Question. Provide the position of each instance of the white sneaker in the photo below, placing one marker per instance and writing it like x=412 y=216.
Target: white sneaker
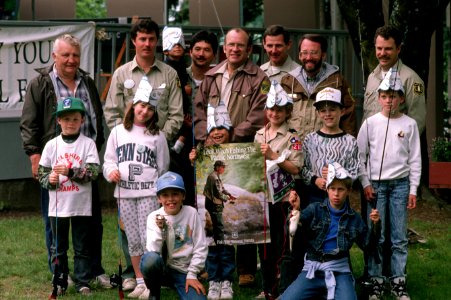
x=226 y=290
x=214 y=290
x=139 y=289
x=104 y=281
x=129 y=284
x=70 y=282
x=145 y=295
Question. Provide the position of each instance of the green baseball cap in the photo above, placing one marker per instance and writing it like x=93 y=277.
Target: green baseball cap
x=70 y=104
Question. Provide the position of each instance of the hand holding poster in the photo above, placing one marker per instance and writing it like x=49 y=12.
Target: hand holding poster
x=231 y=187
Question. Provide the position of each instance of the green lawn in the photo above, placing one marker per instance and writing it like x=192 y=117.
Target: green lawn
x=24 y=274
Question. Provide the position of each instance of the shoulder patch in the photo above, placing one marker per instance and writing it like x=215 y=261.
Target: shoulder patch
x=418 y=88
x=296 y=144
x=265 y=86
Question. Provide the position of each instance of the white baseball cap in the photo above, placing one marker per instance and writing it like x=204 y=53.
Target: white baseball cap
x=277 y=96
x=328 y=94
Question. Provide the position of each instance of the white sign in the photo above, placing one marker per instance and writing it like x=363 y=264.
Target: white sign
x=24 y=49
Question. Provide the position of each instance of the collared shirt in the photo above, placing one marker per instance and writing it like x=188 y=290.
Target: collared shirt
x=123 y=87
x=81 y=92
x=226 y=82
x=284 y=139
x=276 y=73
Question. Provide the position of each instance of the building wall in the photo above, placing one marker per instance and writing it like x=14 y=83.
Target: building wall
x=291 y=13
x=47 y=9
x=202 y=12
x=141 y=8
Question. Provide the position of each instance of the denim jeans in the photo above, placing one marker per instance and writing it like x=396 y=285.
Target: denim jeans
x=220 y=263
x=80 y=240
x=153 y=268
x=315 y=288
x=47 y=226
x=392 y=197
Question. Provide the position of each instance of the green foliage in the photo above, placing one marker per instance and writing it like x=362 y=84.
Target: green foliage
x=441 y=149
x=90 y=9
x=178 y=14
x=253 y=13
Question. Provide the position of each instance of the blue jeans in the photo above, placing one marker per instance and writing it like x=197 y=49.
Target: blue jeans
x=220 y=263
x=315 y=288
x=80 y=240
x=47 y=226
x=392 y=197
x=153 y=268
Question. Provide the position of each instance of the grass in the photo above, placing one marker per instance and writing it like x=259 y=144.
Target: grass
x=24 y=274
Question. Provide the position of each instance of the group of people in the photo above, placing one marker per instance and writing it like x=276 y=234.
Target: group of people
x=302 y=115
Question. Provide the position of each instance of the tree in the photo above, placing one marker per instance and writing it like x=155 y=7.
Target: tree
x=418 y=19
x=90 y=9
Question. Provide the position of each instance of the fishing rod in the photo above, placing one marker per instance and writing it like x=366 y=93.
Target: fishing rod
x=59 y=280
x=116 y=279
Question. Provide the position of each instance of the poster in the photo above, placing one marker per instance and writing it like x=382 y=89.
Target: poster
x=24 y=49
x=245 y=209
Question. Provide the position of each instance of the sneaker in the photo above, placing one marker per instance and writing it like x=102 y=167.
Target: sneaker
x=85 y=291
x=214 y=290
x=145 y=295
x=103 y=281
x=70 y=282
x=226 y=290
x=376 y=288
x=398 y=289
x=246 y=280
x=129 y=284
x=139 y=289
x=261 y=296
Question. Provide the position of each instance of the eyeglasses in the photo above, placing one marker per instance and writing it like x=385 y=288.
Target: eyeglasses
x=311 y=52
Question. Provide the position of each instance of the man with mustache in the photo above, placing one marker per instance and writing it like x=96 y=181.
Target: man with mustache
x=387 y=42
x=277 y=44
x=203 y=49
x=304 y=82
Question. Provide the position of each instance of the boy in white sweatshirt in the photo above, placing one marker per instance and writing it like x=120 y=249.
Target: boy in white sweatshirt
x=389 y=148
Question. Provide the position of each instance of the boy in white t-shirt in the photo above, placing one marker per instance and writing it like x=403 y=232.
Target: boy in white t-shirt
x=68 y=164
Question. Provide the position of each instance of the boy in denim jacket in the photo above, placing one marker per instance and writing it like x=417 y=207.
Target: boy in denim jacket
x=332 y=228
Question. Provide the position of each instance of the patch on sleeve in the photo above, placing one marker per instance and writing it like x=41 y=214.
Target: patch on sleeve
x=296 y=144
x=265 y=86
x=418 y=88
x=179 y=85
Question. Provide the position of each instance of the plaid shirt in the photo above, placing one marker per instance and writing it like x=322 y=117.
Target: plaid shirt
x=62 y=91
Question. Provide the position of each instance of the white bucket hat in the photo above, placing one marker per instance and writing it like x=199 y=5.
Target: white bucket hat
x=335 y=170
x=391 y=82
x=171 y=37
x=277 y=96
x=218 y=117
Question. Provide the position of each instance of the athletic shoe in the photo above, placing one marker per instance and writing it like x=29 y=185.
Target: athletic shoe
x=129 y=284
x=139 y=289
x=214 y=290
x=145 y=295
x=376 y=289
x=103 y=281
x=70 y=282
x=226 y=290
x=85 y=291
x=398 y=289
